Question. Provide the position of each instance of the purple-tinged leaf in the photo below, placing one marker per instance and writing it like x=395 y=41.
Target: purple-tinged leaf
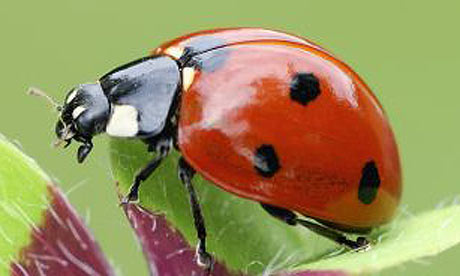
x=165 y=249
x=61 y=244
x=169 y=254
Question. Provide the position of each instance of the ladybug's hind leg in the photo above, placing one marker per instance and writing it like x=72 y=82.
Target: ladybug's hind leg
x=186 y=173
x=290 y=218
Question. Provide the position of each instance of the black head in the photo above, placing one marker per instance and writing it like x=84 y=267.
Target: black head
x=84 y=114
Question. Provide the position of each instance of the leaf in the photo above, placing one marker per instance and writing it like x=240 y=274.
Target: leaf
x=40 y=233
x=407 y=239
x=244 y=238
x=169 y=254
x=165 y=249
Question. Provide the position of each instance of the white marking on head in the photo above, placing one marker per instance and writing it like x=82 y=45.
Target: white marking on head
x=77 y=111
x=174 y=51
x=71 y=96
x=188 y=74
x=123 y=122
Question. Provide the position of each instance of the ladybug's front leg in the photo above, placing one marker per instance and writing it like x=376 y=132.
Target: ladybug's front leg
x=162 y=148
x=186 y=173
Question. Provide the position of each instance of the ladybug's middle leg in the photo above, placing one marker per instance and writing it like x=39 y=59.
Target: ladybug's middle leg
x=186 y=173
x=290 y=218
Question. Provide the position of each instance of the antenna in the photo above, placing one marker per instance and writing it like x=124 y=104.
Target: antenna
x=37 y=92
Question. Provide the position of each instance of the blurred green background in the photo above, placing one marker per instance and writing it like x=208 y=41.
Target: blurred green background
x=406 y=50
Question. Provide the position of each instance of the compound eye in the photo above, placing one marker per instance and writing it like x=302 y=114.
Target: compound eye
x=59 y=129
x=64 y=134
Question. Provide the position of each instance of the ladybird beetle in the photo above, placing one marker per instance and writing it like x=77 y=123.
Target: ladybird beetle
x=262 y=114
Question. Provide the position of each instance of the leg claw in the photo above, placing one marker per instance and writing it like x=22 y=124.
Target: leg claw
x=205 y=260
x=362 y=244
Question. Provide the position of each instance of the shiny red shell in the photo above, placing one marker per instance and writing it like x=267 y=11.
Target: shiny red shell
x=238 y=99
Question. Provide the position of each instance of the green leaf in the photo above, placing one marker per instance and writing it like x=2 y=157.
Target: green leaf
x=23 y=194
x=246 y=239
x=40 y=233
x=406 y=239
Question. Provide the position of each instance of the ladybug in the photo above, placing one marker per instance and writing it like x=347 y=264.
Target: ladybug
x=262 y=114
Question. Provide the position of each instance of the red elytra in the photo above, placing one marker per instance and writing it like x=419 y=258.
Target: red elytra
x=277 y=119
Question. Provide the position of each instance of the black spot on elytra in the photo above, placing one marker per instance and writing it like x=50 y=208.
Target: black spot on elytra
x=369 y=184
x=266 y=161
x=304 y=88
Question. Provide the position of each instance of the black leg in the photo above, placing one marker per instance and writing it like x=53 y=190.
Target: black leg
x=186 y=174
x=83 y=150
x=291 y=219
x=162 y=150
